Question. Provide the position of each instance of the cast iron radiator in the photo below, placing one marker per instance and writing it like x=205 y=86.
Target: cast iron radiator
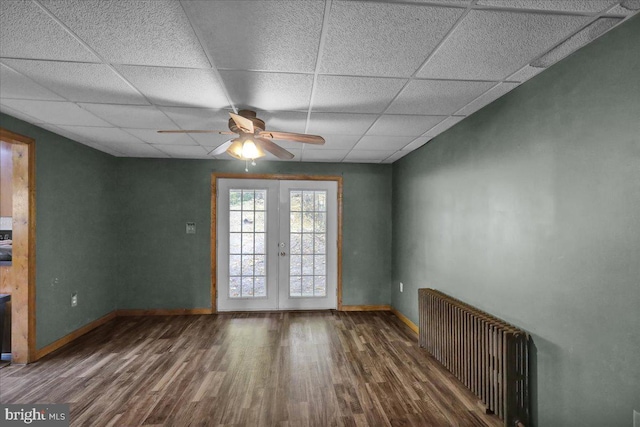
x=485 y=353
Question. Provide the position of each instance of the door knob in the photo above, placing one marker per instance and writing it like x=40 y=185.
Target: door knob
x=282 y=254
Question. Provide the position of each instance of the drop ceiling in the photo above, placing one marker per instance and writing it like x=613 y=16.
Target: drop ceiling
x=377 y=79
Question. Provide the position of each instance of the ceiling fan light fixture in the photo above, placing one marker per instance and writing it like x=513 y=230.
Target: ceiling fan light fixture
x=250 y=150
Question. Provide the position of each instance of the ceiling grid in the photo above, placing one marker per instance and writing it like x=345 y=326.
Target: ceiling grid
x=376 y=78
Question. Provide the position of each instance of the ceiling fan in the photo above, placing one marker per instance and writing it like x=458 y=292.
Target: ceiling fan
x=253 y=139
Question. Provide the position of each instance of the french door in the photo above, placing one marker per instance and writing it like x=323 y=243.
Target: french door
x=276 y=244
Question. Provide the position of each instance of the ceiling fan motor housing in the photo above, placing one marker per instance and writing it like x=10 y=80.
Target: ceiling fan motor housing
x=258 y=124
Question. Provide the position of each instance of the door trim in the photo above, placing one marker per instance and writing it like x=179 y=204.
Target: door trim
x=23 y=342
x=214 y=220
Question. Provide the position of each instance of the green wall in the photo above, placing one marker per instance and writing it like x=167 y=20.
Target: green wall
x=163 y=267
x=76 y=236
x=530 y=210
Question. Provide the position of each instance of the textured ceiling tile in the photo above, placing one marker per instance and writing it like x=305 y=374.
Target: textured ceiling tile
x=417 y=143
x=436 y=97
x=340 y=123
x=178 y=87
x=153 y=137
x=27 y=32
x=102 y=148
x=210 y=140
x=490 y=45
x=284 y=121
x=444 y=125
x=525 y=73
x=383 y=142
x=575 y=42
x=140 y=150
x=183 y=151
x=17 y=114
x=336 y=142
x=379 y=39
x=198 y=118
x=396 y=156
x=367 y=156
x=626 y=8
x=487 y=98
x=111 y=137
x=15 y=85
x=355 y=94
x=57 y=113
x=79 y=82
x=560 y=5
x=268 y=91
x=404 y=125
x=131 y=116
x=133 y=32
x=280 y=35
x=323 y=155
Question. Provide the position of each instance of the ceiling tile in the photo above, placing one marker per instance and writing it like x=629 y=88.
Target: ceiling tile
x=404 y=125
x=383 y=142
x=417 y=143
x=355 y=94
x=78 y=81
x=111 y=137
x=376 y=39
x=395 y=156
x=444 y=125
x=281 y=35
x=487 y=98
x=27 y=32
x=131 y=116
x=210 y=140
x=490 y=45
x=626 y=8
x=436 y=97
x=335 y=142
x=323 y=155
x=133 y=32
x=525 y=73
x=198 y=118
x=15 y=85
x=340 y=123
x=367 y=156
x=284 y=121
x=268 y=91
x=102 y=148
x=179 y=87
x=559 y=5
x=17 y=114
x=182 y=151
x=62 y=132
x=57 y=113
x=153 y=137
x=141 y=150
x=575 y=42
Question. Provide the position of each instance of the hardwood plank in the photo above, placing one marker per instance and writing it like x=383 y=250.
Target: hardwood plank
x=328 y=368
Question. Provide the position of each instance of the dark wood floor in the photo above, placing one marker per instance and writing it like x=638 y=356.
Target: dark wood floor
x=268 y=369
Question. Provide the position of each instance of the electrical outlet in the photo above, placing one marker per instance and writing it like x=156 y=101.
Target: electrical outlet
x=191 y=228
x=401 y=287
x=74 y=299
x=636 y=419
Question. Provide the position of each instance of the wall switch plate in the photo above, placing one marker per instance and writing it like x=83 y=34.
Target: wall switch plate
x=401 y=287
x=191 y=228
x=74 y=299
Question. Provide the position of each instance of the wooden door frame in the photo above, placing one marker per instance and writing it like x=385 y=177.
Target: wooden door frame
x=23 y=342
x=280 y=177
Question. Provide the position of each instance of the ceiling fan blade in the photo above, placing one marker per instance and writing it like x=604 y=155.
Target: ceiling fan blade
x=221 y=148
x=297 y=137
x=243 y=123
x=219 y=132
x=274 y=149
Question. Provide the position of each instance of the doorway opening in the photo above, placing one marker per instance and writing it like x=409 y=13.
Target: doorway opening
x=276 y=242
x=17 y=276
